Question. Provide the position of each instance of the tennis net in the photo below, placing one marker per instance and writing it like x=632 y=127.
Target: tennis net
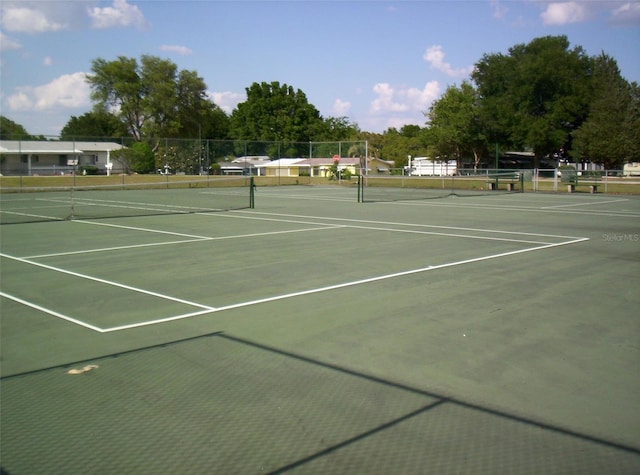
x=32 y=200
x=404 y=188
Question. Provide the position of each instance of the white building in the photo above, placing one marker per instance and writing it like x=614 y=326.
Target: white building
x=25 y=157
x=424 y=166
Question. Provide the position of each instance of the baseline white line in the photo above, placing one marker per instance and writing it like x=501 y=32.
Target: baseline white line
x=107 y=282
x=114 y=248
x=604 y=213
x=583 y=204
x=51 y=312
x=186 y=241
x=29 y=215
x=294 y=221
x=345 y=284
x=146 y=230
x=392 y=223
x=155 y=322
x=433 y=233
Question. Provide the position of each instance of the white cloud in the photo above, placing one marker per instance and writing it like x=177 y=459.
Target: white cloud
x=181 y=50
x=67 y=91
x=403 y=99
x=7 y=44
x=19 y=102
x=435 y=57
x=421 y=99
x=227 y=101
x=627 y=14
x=564 y=13
x=341 y=108
x=28 y=20
x=399 y=106
x=47 y=61
x=385 y=101
x=499 y=10
x=120 y=14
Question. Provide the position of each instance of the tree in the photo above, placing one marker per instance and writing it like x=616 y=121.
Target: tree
x=138 y=158
x=536 y=96
x=610 y=134
x=275 y=112
x=454 y=127
x=93 y=125
x=338 y=128
x=153 y=99
x=396 y=145
x=9 y=130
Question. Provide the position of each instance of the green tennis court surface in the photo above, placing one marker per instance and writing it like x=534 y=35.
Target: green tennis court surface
x=314 y=334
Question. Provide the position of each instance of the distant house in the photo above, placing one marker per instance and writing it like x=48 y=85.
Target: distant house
x=21 y=157
x=632 y=169
x=320 y=167
x=424 y=166
x=246 y=165
x=284 y=167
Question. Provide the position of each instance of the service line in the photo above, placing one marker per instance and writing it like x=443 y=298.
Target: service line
x=342 y=285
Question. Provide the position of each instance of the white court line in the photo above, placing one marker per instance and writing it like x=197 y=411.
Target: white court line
x=583 y=204
x=29 y=215
x=114 y=248
x=432 y=203
x=186 y=241
x=340 y=286
x=277 y=220
x=434 y=233
x=107 y=282
x=392 y=223
x=135 y=205
x=52 y=312
x=322 y=226
x=146 y=230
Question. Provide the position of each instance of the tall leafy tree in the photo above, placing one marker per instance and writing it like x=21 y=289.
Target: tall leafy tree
x=93 y=125
x=275 y=112
x=10 y=130
x=117 y=87
x=152 y=98
x=338 y=128
x=454 y=127
x=396 y=145
x=611 y=133
x=536 y=96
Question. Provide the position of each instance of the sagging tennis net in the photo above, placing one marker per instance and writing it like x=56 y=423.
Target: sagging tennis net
x=374 y=188
x=82 y=200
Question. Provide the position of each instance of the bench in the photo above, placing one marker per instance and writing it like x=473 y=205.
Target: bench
x=593 y=188
x=572 y=181
x=511 y=185
x=491 y=185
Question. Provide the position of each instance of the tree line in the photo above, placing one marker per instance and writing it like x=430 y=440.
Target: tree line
x=544 y=97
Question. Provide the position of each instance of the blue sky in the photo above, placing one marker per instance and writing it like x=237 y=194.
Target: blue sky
x=379 y=63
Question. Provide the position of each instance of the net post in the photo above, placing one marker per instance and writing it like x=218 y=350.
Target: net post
x=360 y=199
x=252 y=203
x=72 y=199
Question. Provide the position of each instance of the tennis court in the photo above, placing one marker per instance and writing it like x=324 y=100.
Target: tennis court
x=311 y=333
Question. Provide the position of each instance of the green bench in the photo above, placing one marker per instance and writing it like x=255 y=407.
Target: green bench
x=511 y=180
x=573 y=180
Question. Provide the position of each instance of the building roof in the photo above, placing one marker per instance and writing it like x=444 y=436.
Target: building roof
x=55 y=147
x=282 y=162
x=330 y=161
